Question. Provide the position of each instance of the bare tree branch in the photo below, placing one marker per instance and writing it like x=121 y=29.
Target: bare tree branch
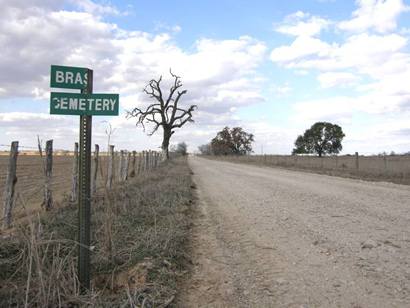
x=171 y=115
x=185 y=117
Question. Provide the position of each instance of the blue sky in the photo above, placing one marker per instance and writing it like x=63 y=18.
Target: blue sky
x=272 y=67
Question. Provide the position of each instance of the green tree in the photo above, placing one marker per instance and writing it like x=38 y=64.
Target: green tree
x=322 y=138
x=232 y=141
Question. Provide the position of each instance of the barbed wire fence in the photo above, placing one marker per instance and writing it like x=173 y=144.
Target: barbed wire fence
x=28 y=180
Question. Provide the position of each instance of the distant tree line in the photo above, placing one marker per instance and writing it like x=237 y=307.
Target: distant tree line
x=322 y=138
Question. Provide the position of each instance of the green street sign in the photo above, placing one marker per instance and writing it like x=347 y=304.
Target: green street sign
x=84 y=104
x=68 y=77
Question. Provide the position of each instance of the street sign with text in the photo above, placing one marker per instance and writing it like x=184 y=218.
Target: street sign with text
x=68 y=77
x=84 y=104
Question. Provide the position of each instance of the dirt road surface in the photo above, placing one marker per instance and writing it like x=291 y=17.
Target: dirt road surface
x=270 y=237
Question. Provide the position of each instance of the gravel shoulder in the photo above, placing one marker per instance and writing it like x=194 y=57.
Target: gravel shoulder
x=273 y=237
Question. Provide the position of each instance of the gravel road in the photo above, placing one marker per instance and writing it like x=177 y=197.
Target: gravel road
x=268 y=237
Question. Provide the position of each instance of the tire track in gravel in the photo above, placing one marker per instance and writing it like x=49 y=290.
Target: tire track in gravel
x=273 y=237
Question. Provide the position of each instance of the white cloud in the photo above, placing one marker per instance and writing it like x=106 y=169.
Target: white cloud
x=163 y=27
x=388 y=129
x=380 y=15
x=380 y=59
x=220 y=75
x=337 y=79
x=367 y=53
x=270 y=138
x=302 y=47
x=25 y=126
x=282 y=90
x=302 y=24
x=95 y=8
x=123 y=61
x=342 y=108
x=388 y=134
x=333 y=109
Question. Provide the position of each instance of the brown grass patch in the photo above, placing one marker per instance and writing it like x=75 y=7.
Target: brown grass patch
x=139 y=234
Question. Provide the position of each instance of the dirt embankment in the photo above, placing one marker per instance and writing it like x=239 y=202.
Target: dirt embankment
x=273 y=237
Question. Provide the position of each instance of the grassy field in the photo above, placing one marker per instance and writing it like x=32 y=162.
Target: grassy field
x=139 y=234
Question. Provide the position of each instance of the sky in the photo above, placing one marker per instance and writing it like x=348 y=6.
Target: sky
x=273 y=68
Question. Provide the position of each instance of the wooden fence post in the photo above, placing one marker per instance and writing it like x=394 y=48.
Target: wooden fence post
x=110 y=171
x=96 y=157
x=385 y=163
x=132 y=173
x=142 y=162
x=48 y=170
x=127 y=165
x=124 y=166
x=156 y=159
x=11 y=181
x=149 y=160
x=146 y=164
x=121 y=166
x=74 y=181
x=140 y=159
x=357 y=160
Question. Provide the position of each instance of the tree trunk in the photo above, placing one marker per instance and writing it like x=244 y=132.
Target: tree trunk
x=165 y=143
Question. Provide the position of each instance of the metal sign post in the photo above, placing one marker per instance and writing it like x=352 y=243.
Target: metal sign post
x=85 y=105
x=84 y=208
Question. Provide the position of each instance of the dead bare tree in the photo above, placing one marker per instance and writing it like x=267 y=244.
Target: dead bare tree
x=165 y=112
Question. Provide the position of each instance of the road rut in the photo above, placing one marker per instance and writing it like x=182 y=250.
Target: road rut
x=269 y=237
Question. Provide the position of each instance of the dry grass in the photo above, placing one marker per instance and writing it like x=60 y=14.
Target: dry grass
x=139 y=233
x=30 y=181
x=394 y=169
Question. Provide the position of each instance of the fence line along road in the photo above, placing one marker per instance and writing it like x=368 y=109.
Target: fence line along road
x=46 y=179
x=393 y=167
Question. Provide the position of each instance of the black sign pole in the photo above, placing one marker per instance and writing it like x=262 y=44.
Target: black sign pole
x=84 y=202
